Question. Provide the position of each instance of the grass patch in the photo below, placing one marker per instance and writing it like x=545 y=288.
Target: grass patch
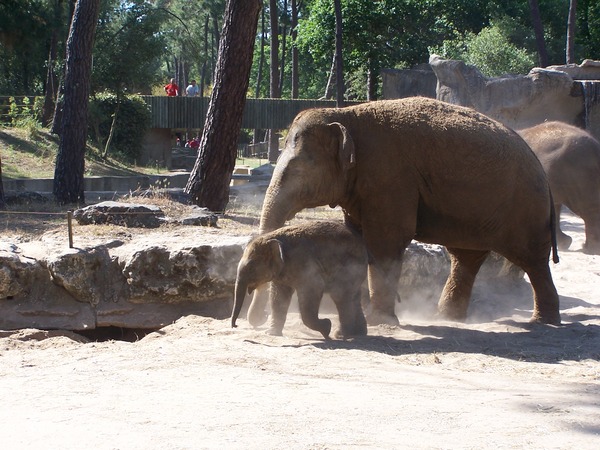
x=31 y=153
x=27 y=154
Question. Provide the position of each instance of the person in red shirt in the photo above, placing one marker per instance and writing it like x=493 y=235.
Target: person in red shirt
x=172 y=89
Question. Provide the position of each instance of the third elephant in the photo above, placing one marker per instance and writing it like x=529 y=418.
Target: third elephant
x=571 y=158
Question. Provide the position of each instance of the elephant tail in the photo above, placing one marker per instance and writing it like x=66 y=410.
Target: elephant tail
x=553 y=226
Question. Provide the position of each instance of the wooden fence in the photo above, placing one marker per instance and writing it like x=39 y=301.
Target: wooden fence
x=262 y=113
x=190 y=112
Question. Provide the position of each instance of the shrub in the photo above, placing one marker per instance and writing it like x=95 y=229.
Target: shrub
x=491 y=51
x=133 y=121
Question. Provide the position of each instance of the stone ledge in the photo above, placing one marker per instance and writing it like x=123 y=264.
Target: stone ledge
x=151 y=281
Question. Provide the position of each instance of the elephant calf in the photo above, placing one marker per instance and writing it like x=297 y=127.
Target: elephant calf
x=310 y=259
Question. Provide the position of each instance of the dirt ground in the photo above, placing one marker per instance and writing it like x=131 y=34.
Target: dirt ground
x=493 y=382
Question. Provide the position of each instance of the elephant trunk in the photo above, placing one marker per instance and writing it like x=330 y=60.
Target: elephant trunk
x=277 y=208
x=240 y=293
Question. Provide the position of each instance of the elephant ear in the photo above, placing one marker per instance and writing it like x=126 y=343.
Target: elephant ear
x=276 y=256
x=346 y=152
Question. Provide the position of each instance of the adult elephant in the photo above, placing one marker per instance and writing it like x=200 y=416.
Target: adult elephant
x=571 y=158
x=420 y=169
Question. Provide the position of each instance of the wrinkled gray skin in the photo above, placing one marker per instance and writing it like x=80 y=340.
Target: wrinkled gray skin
x=310 y=259
x=571 y=158
x=421 y=169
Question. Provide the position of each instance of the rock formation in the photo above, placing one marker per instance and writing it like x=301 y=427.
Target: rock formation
x=151 y=280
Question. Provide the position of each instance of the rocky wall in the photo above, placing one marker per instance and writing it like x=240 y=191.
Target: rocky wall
x=569 y=94
x=150 y=281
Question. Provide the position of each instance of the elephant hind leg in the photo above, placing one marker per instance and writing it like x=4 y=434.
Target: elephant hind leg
x=455 y=298
x=350 y=313
x=309 y=301
x=545 y=298
x=591 y=220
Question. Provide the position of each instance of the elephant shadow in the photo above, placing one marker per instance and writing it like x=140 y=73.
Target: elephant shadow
x=535 y=343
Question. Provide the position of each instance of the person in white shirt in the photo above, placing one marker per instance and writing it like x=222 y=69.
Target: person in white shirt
x=192 y=90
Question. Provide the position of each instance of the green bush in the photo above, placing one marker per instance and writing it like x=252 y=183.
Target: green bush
x=491 y=51
x=133 y=121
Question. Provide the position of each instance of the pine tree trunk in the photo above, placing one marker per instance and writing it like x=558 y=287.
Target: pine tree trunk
x=203 y=82
x=295 y=79
x=261 y=63
x=538 y=28
x=70 y=161
x=571 y=32
x=274 y=92
x=339 y=66
x=209 y=180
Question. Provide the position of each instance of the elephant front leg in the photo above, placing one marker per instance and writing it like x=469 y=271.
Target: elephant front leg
x=256 y=312
x=383 y=293
x=280 y=297
x=455 y=298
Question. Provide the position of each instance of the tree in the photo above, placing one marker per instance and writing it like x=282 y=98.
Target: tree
x=571 y=24
x=128 y=47
x=294 y=35
x=339 y=62
x=538 y=28
x=70 y=160
x=274 y=91
x=209 y=180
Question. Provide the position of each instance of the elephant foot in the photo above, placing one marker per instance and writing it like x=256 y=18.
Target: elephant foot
x=344 y=333
x=257 y=318
x=563 y=241
x=591 y=249
x=323 y=326
x=550 y=319
x=452 y=315
x=274 y=332
x=376 y=317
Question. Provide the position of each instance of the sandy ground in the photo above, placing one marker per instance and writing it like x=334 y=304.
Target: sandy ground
x=494 y=382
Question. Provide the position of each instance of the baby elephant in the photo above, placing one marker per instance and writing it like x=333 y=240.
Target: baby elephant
x=311 y=259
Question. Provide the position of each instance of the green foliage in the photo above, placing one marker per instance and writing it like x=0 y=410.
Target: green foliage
x=133 y=121
x=491 y=51
x=128 y=47
x=379 y=34
x=26 y=27
x=495 y=55
x=588 y=23
x=25 y=114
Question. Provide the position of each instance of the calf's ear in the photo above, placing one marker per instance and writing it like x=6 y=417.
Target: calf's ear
x=346 y=152
x=276 y=255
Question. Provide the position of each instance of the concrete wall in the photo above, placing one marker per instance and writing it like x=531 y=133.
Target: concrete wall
x=156 y=148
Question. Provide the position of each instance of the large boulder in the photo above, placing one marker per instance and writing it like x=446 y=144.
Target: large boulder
x=118 y=213
x=517 y=101
x=147 y=282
